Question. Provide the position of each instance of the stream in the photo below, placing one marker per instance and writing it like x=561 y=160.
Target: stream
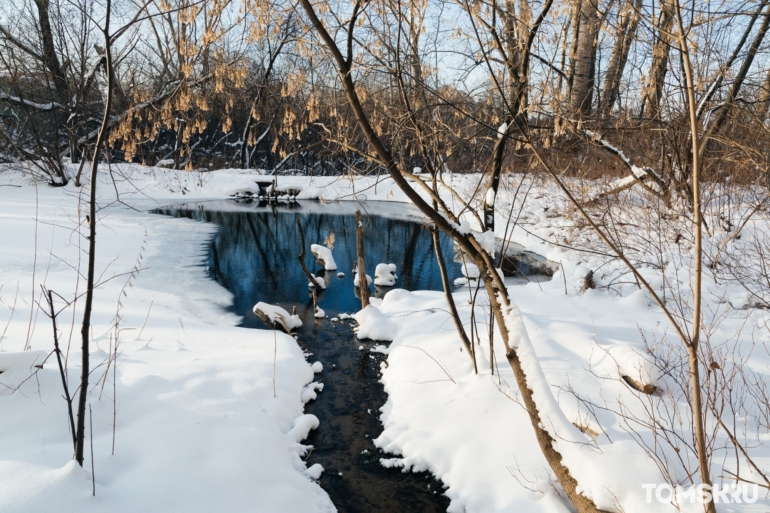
x=254 y=256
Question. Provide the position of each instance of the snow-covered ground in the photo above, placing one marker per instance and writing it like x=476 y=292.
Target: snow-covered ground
x=199 y=418
x=198 y=427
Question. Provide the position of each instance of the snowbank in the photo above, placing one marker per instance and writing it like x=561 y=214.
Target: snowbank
x=203 y=412
x=372 y=324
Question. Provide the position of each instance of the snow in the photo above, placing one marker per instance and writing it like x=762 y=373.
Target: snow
x=24 y=359
x=501 y=130
x=278 y=315
x=324 y=256
x=489 y=199
x=385 y=275
x=470 y=271
x=317 y=282
x=197 y=426
x=314 y=471
x=357 y=282
x=319 y=314
x=487 y=241
x=373 y=325
x=317 y=367
x=340 y=275
x=200 y=397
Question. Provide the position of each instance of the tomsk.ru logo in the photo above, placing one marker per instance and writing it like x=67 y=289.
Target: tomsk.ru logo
x=744 y=493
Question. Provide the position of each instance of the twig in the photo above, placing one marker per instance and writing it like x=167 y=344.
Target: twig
x=93 y=475
x=145 y=321
x=437 y=363
x=49 y=296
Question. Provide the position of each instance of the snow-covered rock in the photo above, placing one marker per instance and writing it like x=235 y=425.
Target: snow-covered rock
x=385 y=275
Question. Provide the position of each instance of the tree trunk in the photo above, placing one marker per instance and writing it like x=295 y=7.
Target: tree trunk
x=585 y=60
x=764 y=99
x=363 y=283
x=86 y=326
x=628 y=22
x=450 y=300
x=653 y=90
x=698 y=410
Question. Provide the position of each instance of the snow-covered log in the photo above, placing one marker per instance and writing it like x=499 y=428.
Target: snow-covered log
x=275 y=315
x=324 y=256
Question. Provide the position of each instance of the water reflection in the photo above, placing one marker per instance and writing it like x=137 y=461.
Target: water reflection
x=254 y=254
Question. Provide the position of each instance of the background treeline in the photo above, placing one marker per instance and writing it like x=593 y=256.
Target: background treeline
x=205 y=85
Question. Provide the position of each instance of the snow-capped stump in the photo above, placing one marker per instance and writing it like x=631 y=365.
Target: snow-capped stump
x=385 y=275
x=319 y=314
x=324 y=256
x=273 y=315
x=26 y=359
x=356 y=281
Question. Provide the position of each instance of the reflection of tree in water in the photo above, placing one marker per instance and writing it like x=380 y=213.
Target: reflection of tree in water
x=253 y=255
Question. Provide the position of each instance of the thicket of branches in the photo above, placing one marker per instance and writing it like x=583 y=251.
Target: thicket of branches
x=665 y=97
x=221 y=84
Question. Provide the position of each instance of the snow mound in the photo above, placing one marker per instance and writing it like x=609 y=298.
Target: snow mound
x=319 y=314
x=317 y=367
x=26 y=359
x=324 y=256
x=302 y=427
x=374 y=325
x=385 y=275
x=314 y=471
x=470 y=271
x=273 y=314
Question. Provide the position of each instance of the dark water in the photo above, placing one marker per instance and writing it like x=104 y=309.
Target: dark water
x=254 y=255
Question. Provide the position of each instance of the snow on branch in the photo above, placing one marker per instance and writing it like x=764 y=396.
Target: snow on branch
x=639 y=175
x=43 y=107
